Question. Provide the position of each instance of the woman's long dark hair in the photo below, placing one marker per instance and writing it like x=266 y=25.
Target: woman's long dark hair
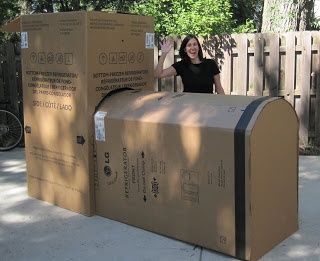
x=182 y=51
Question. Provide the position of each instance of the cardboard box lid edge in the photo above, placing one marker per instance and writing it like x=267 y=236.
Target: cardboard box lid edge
x=12 y=26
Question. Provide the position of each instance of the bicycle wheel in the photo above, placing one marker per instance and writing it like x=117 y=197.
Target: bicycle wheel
x=11 y=130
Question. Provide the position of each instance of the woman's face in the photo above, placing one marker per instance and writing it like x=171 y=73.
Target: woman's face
x=192 y=48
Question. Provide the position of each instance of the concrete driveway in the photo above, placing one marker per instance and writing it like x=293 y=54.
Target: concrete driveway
x=31 y=229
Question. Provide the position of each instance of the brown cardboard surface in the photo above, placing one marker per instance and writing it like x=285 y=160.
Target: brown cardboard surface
x=13 y=26
x=276 y=179
x=189 y=166
x=70 y=61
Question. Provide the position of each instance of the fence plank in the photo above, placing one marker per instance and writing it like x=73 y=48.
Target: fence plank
x=167 y=84
x=226 y=72
x=242 y=45
x=156 y=86
x=258 y=64
x=290 y=67
x=2 y=92
x=305 y=88
x=317 y=86
x=274 y=65
x=178 y=81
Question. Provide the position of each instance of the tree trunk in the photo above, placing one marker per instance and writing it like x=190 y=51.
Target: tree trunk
x=306 y=9
x=286 y=15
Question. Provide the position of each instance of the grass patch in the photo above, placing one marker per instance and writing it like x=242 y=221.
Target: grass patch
x=309 y=150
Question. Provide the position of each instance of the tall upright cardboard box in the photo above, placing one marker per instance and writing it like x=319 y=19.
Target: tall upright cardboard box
x=69 y=62
x=217 y=171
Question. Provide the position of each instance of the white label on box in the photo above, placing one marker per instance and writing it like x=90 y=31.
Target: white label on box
x=24 y=40
x=149 y=40
x=99 y=125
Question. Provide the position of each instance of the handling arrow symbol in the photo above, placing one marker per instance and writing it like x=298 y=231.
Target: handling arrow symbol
x=144 y=198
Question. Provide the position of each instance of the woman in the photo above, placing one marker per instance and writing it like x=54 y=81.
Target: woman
x=198 y=74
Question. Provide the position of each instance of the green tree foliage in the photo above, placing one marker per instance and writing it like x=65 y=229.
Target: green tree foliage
x=199 y=17
x=49 y=6
x=8 y=11
x=96 y=5
x=247 y=14
x=11 y=9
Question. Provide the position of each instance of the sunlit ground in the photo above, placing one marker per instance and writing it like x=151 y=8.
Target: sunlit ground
x=21 y=216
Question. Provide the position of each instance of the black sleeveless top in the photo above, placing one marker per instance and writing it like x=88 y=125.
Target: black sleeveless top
x=197 y=77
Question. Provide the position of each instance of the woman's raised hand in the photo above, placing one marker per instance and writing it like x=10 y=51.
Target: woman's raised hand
x=166 y=45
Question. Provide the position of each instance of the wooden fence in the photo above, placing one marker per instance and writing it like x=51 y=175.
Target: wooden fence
x=10 y=79
x=285 y=65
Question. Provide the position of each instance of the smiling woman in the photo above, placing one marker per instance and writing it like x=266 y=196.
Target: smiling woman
x=198 y=74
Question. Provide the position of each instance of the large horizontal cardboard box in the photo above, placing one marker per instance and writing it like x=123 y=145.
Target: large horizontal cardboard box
x=69 y=62
x=216 y=171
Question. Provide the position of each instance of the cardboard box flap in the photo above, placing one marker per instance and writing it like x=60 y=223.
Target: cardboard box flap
x=13 y=26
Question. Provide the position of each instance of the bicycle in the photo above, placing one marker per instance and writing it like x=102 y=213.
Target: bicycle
x=11 y=130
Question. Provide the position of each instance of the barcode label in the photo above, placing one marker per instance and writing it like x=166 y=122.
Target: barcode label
x=99 y=125
x=149 y=40
x=24 y=40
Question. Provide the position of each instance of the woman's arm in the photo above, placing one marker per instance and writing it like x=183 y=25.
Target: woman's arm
x=159 y=72
x=217 y=82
